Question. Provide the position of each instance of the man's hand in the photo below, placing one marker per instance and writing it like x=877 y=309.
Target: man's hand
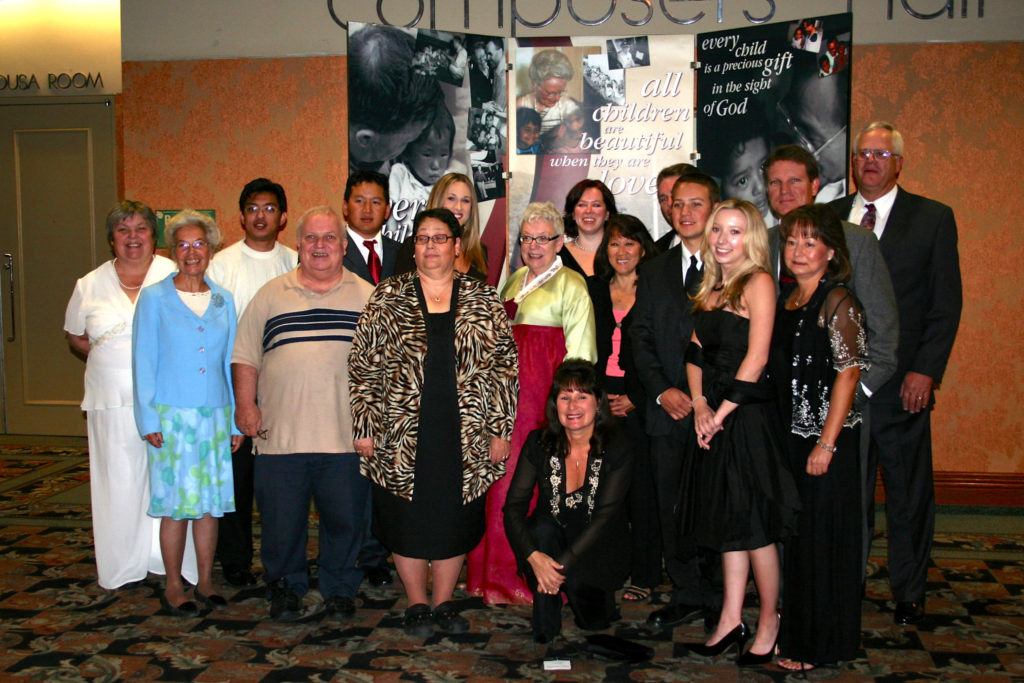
x=916 y=392
x=248 y=419
x=676 y=403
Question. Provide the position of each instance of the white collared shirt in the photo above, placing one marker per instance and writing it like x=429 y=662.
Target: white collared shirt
x=883 y=207
x=686 y=260
x=356 y=240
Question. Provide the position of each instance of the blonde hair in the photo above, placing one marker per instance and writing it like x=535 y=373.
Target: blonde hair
x=755 y=249
x=471 y=245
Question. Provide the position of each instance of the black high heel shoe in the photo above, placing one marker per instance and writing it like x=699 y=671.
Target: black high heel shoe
x=749 y=658
x=739 y=636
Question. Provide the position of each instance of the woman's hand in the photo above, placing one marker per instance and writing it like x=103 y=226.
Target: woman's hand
x=705 y=422
x=236 y=441
x=155 y=439
x=547 y=571
x=364 y=447
x=620 y=404
x=500 y=450
x=818 y=461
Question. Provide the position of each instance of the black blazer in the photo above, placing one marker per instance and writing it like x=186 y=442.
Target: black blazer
x=604 y=320
x=664 y=243
x=354 y=260
x=919 y=245
x=600 y=554
x=660 y=332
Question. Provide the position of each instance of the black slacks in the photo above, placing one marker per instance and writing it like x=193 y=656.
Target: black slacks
x=234 y=535
x=901 y=444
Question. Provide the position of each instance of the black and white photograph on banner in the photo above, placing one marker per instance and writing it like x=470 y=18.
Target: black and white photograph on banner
x=757 y=90
x=442 y=55
x=628 y=52
x=635 y=121
x=485 y=130
x=487 y=176
x=481 y=89
x=601 y=84
x=409 y=112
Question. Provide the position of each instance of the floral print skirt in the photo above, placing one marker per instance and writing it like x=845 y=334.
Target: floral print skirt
x=190 y=476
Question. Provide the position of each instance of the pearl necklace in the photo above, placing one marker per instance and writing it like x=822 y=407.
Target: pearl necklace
x=121 y=282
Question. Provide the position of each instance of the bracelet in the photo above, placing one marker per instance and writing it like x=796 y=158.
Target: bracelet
x=696 y=398
x=827 y=447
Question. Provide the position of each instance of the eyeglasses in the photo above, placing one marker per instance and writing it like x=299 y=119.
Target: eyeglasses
x=542 y=240
x=197 y=244
x=867 y=154
x=436 y=239
x=253 y=209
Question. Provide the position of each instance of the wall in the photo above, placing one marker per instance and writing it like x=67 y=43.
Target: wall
x=195 y=131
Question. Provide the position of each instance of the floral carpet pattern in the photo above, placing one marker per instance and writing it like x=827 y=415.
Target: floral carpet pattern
x=57 y=624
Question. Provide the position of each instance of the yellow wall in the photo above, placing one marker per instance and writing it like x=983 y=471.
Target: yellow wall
x=193 y=132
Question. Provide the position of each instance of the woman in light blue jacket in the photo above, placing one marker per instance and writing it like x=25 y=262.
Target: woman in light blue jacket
x=182 y=337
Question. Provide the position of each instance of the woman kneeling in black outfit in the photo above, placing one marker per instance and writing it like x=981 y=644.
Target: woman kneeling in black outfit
x=576 y=540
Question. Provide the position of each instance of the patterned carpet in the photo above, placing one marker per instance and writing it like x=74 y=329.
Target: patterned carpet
x=57 y=624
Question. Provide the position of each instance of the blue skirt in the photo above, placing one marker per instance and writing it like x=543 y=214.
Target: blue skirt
x=190 y=476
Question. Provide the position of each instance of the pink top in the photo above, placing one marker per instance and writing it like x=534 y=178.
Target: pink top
x=614 y=369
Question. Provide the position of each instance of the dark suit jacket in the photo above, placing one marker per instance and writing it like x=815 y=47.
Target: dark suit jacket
x=660 y=332
x=873 y=288
x=664 y=243
x=919 y=245
x=354 y=260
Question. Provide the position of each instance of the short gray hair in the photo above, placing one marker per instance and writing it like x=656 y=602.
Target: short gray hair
x=897 y=138
x=125 y=209
x=550 y=64
x=187 y=217
x=543 y=211
x=322 y=210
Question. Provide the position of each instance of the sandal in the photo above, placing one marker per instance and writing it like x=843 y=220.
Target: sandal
x=633 y=593
x=787 y=664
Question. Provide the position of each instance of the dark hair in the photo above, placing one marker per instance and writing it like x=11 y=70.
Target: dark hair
x=821 y=222
x=701 y=178
x=384 y=92
x=581 y=375
x=441 y=124
x=525 y=115
x=359 y=177
x=443 y=215
x=260 y=185
x=126 y=208
x=630 y=227
x=679 y=169
x=718 y=155
x=796 y=154
x=574 y=197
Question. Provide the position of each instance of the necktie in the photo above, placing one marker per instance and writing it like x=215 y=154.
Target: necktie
x=868 y=219
x=372 y=260
x=692 y=281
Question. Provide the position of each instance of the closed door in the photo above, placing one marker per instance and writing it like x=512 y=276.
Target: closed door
x=57 y=182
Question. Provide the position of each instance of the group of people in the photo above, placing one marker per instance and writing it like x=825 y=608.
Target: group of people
x=621 y=408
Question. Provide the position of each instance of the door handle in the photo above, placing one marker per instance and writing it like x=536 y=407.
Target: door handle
x=9 y=267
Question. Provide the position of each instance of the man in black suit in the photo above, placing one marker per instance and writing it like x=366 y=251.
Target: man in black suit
x=918 y=239
x=792 y=179
x=661 y=331
x=667 y=178
x=371 y=256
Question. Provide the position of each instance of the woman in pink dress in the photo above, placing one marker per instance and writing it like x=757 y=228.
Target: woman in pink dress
x=552 y=319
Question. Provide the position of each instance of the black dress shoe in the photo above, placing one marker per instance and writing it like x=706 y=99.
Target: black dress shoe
x=285 y=604
x=378 y=576
x=418 y=621
x=339 y=607
x=448 y=619
x=739 y=636
x=185 y=609
x=213 y=601
x=240 y=577
x=673 y=614
x=909 y=612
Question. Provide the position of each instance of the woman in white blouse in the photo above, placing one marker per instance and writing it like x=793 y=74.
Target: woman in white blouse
x=98 y=327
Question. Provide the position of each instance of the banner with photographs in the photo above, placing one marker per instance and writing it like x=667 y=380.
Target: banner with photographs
x=423 y=103
x=760 y=87
x=614 y=109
